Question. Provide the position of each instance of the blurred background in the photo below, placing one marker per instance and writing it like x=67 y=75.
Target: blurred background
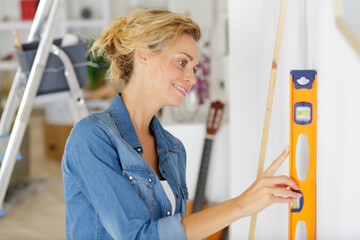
x=236 y=48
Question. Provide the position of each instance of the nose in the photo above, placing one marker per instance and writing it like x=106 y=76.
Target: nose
x=190 y=78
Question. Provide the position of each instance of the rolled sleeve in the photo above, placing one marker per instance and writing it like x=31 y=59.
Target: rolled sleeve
x=171 y=228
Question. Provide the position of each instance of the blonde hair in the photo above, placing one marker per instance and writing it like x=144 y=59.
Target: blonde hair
x=156 y=28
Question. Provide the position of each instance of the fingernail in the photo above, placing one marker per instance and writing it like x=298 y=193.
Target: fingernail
x=299 y=195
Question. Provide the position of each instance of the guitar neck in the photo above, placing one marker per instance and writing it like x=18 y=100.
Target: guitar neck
x=200 y=188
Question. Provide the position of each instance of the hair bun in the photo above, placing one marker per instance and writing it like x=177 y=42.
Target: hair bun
x=115 y=35
x=120 y=23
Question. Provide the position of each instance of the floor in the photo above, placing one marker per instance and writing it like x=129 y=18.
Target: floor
x=42 y=216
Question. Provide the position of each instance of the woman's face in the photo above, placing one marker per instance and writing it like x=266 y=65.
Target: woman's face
x=177 y=73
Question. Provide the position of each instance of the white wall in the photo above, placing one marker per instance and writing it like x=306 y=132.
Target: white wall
x=339 y=132
x=310 y=40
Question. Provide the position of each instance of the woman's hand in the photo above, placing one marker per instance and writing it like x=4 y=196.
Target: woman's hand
x=268 y=189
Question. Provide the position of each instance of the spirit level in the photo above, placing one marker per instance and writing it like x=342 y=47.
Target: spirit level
x=303 y=120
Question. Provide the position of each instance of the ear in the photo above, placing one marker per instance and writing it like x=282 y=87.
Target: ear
x=142 y=56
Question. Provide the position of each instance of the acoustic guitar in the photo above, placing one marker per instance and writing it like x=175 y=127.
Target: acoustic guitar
x=212 y=125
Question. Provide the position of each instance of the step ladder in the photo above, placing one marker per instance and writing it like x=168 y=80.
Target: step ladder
x=46 y=18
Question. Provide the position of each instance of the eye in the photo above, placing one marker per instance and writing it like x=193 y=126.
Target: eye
x=182 y=62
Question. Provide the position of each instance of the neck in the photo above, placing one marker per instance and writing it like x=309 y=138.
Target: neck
x=141 y=107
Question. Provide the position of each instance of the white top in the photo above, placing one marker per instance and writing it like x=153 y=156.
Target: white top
x=170 y=195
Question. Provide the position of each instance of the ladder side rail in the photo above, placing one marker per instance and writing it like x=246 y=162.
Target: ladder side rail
x=13 y=100
x=11 y=104
x=28 y=98
x=76 y=104
x=39 y=19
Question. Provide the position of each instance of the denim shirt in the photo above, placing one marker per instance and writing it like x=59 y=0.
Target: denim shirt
x=110 y=190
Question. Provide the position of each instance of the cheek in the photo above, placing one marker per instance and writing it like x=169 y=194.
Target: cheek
x=172 y=73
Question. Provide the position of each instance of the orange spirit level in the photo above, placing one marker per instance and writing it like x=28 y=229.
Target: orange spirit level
x=303 y=121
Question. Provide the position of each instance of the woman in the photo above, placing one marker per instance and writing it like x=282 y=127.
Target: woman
x=124 y=175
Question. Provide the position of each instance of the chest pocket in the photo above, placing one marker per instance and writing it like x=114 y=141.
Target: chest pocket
x=137 y=175
x=143 y=182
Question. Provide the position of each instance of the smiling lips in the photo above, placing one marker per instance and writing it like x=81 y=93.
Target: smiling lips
x=181 y=89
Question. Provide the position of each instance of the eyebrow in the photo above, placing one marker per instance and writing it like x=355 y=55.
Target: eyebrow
x=189 y=56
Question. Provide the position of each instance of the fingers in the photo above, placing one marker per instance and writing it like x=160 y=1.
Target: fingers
x=266 y=191
x=284 y=192
x=277 y=199
x=280 y=181
x=270 y=171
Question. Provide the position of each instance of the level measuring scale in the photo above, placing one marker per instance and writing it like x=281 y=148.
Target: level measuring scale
x=303 y=120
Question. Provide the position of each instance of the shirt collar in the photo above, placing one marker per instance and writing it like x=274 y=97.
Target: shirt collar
x=123 y=121
x=162 y=140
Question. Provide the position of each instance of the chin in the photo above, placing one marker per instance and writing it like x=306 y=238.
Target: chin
x=175 y=103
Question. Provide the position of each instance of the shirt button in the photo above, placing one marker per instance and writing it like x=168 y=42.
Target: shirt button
x=139 y=149
x=149 y=180
x=168 y=213
x=163 y=172
x=130 y=177
x=177 y=196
